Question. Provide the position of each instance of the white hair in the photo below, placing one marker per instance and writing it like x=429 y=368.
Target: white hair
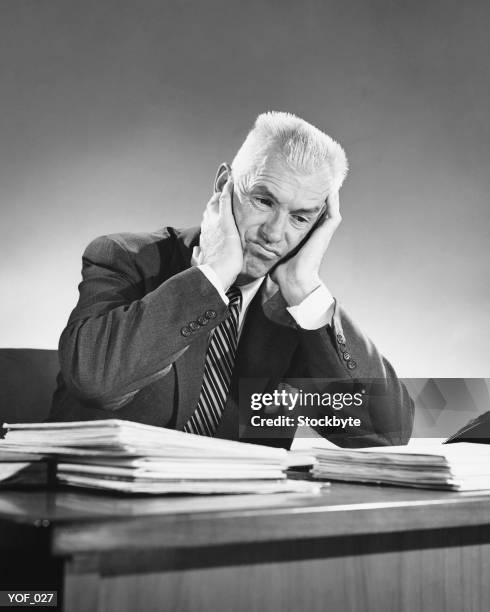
x=302 y=146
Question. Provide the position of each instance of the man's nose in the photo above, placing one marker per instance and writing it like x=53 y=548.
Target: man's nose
x=273 y=229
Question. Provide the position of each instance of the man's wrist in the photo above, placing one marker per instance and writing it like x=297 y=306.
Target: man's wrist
x=214 y=279
x=226 y=276
x=295 y=292
x=315 y=311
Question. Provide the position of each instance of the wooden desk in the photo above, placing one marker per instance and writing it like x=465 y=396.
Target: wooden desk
x=354 y=548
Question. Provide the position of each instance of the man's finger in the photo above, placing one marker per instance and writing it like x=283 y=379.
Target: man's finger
x=322 y=234
x=332 y=216
x=197 y=256
x=225 y=197
x=226 y=206
x=213 y=204
x=211 y=211
x=333 y=205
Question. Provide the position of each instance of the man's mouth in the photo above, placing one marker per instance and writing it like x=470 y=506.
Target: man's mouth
x=263 y=251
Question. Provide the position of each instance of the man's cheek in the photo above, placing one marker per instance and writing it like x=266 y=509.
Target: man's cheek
x=256 y=264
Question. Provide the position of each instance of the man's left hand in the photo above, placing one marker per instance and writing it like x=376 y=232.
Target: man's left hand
x=299 y=275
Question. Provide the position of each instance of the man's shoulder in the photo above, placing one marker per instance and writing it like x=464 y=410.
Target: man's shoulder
x=144 y=252
x=139 y=245
x=135 y=243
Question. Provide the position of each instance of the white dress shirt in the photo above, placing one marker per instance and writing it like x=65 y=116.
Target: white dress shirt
x=314 y=312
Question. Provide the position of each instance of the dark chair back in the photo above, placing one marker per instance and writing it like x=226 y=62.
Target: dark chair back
x=27 y=383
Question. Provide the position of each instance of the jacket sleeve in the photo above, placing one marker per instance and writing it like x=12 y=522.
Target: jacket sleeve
x=120 y=337
x=342 y=353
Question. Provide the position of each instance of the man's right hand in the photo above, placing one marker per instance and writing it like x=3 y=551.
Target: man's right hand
x=220 y=246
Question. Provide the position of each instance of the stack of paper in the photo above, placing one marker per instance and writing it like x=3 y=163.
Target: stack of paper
x=135 y=458
x=457 y=467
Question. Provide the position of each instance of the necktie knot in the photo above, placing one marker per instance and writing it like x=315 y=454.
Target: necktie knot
x=235 y=296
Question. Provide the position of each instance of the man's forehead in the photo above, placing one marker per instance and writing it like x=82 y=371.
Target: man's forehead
x=286 y=186
x=307 y=201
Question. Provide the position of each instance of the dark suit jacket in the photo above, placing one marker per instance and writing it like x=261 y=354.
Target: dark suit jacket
x=126 y=351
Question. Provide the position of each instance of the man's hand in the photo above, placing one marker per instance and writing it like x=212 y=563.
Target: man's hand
x=299 y=275
x=220 y=246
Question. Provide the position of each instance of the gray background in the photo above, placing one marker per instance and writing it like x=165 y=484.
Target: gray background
x=115 y=114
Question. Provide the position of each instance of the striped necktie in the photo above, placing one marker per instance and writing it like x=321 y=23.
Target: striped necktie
x=218 y=367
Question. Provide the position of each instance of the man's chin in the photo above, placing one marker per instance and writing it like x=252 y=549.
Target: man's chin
x=254 y=268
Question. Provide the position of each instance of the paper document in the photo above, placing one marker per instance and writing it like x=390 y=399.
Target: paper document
x=456 y=467
x=124 y=456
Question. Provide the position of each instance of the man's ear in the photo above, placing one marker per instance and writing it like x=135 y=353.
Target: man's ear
x=224 y=172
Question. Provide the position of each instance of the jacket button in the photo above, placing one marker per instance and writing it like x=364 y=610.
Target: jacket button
x=202 y=320
x=210 y=314
x=186 y=331
x=194 y=325
x=346 y=356
x=352 y=364
x=340 y=339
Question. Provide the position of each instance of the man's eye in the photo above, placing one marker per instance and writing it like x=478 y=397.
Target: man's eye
x=300 y=220
x=265 y=202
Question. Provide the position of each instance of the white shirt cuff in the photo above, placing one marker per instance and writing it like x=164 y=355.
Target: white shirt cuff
x=214 y=279
x=315 y=310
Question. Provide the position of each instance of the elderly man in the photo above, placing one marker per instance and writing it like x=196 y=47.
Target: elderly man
x=168 y=324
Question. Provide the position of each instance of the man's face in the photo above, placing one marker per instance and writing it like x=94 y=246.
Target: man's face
x=274 y=208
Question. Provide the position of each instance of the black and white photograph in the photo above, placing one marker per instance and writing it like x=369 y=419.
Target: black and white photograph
x=245 y=319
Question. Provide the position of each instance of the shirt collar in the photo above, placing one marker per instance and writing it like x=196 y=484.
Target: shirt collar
x=249 y=290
